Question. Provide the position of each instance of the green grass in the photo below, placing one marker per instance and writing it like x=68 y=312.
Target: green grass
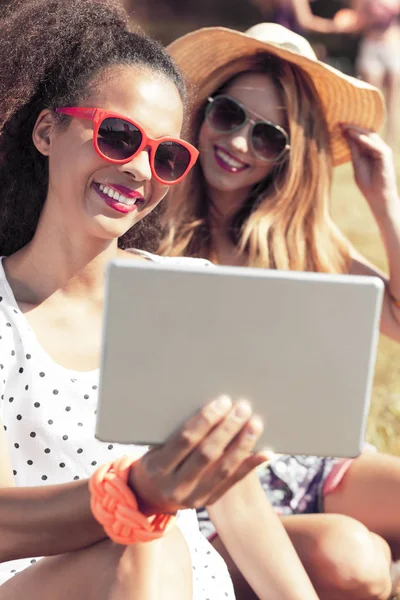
x=352 y=213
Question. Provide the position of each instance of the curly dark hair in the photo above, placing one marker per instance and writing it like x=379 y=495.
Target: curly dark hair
x=51 y=52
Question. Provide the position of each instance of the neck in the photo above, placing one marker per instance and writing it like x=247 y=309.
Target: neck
x=223 y=205
x=56 y=260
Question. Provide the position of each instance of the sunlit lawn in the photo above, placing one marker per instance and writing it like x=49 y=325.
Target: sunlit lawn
x=352 y=213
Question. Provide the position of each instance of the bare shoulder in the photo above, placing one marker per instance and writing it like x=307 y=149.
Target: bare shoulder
x=171 y=260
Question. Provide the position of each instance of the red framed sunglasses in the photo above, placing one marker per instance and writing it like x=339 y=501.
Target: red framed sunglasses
x=118 y=140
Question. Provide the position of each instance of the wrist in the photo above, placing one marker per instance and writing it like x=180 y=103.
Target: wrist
x=387 y=212
x=114 y=505
x=145 y=504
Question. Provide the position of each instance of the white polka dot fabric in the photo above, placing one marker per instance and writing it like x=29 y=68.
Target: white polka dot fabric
x=49 y=416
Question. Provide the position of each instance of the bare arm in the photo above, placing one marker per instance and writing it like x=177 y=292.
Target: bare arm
x=52 y=520
x=304 y=16
x=258 y=544
x=375 y=176
x=46 y=520
x=310 y=22
x=160 y=570
x=358 y=6
x=390 y=318
x=56 y=520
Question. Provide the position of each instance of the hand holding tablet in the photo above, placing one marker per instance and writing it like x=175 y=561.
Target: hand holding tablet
x=197 y=464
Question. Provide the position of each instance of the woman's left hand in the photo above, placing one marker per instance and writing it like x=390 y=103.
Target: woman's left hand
x=374 y=170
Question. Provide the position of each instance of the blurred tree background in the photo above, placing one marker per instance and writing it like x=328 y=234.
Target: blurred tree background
x=169 y=19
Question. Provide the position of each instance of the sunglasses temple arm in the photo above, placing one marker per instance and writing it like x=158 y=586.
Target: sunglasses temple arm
x=80 y=112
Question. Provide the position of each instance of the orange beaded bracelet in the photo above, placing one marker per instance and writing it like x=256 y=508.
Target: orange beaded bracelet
x=115 y=507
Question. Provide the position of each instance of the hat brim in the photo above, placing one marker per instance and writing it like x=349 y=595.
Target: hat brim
x=206 y=54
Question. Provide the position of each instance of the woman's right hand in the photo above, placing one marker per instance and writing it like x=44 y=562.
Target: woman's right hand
x=374 y=170
x=198 y=464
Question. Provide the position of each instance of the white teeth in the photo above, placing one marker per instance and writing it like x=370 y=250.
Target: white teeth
x=229 y=160
x=127 y=201
x=116 y=195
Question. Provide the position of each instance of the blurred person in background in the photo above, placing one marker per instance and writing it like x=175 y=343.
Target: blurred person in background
x=270 y=122
x=298 y=16
x=378 y=60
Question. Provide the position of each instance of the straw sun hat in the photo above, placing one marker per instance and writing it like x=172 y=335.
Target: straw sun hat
x=208 y=58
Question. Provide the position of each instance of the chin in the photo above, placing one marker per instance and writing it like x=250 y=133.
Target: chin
x=222 y=185
x=112 y=230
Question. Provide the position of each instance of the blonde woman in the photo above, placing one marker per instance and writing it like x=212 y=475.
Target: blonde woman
x=270 y=122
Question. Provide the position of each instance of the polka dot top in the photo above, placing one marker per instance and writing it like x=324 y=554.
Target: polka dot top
x=49 y=412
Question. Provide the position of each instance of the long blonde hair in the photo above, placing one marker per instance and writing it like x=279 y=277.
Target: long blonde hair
x=285 y=222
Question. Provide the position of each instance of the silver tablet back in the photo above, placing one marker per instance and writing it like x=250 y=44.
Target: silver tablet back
x=301 y=347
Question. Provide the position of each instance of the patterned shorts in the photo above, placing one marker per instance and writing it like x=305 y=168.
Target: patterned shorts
x=293 y=485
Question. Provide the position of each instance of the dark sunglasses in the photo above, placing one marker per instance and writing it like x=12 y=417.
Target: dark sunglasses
x=269 y=142
x=118 y=140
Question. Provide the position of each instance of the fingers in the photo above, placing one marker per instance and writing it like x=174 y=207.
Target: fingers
x=232 y=464
x=355 y=129
x=209 y=454
x=365 y=139
x=221 y=447
x=182 y=443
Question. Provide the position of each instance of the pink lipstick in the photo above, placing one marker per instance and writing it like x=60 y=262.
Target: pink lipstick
x=119 y=197
x=228 y=162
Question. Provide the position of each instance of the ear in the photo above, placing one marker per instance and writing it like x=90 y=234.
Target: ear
x=43 y=130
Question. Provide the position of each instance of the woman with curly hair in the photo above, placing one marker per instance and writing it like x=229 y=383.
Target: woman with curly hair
x=90 y=122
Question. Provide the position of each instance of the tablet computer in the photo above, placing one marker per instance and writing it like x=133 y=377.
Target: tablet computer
x=300 y=347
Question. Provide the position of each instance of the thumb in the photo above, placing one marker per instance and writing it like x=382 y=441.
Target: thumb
x=267 y=455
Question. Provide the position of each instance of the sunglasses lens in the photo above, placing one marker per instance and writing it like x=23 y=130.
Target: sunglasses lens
x=118 y=139
x=268 y=141
x=171 y=161
x=224 y=114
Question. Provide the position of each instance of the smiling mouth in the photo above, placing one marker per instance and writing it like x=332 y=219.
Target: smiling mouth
x=228 y=162
x=122 y=202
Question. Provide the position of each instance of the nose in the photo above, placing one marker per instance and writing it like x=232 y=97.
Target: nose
x=239 y=140
x=139 y=167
